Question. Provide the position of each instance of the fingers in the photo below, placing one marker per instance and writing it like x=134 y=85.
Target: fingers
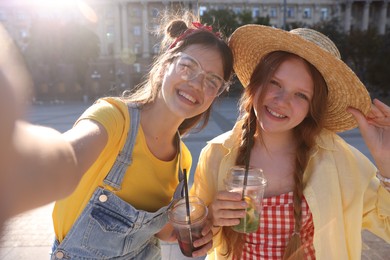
x=227 y=209
x=382 y=107
x=203 y=245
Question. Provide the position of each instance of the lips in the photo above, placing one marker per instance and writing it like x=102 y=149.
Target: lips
x=275 y=114
x=187 y=97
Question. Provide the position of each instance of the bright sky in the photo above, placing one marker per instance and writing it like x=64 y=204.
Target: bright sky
x=52 y=6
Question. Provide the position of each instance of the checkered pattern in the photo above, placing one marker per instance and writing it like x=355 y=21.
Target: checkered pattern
x=276 y=228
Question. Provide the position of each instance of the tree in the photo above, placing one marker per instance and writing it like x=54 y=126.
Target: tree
x=378 y=70
x=223 y=20
x=362 y=46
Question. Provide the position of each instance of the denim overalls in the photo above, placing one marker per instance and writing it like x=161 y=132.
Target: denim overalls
x=110 y=228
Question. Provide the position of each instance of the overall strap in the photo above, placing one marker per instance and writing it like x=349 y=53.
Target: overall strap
x=115 y=176
x=179 y=191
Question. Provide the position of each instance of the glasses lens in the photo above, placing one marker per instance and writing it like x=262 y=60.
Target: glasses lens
x=188 y=68
x=214 y=84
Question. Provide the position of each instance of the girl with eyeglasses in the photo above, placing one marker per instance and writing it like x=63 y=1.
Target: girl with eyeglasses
x=126 y=153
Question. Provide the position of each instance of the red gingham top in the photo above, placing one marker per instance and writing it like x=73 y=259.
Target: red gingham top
x=276 y=228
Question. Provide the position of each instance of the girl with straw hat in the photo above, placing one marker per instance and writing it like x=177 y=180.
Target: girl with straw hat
x=321 y=192
x=124 y=157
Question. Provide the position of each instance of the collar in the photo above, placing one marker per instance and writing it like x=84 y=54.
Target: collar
x=326 y=140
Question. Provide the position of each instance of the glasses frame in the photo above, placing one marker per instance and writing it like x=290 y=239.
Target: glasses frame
x=199 y=71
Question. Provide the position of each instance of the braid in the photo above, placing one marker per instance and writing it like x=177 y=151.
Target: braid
x=294 y=247
x=234 y=240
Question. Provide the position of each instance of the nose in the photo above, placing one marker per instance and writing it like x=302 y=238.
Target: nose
x=283 y=97
x=197 y=81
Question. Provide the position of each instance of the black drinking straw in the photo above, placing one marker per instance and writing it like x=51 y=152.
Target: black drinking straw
x=186 y=196
x=187 y=206
x=245 y=179
x=247 y=159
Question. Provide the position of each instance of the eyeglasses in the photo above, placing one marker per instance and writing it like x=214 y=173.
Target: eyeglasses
x=189 y=68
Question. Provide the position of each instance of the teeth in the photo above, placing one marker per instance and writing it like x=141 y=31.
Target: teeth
x=193 y=100
x=275 y=114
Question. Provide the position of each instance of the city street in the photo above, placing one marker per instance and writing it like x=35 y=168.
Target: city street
x=29 y=235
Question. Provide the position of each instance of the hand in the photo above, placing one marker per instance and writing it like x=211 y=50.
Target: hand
x=205 y=243
x=166 y=233
x=227 y=209
x=375 y=130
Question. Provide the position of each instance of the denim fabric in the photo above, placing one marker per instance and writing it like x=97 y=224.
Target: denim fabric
x=111 y=228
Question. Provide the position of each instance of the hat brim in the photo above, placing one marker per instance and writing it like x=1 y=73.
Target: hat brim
x=250 y=43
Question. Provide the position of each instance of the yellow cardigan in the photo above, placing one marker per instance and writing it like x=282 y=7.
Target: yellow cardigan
x=342 y=191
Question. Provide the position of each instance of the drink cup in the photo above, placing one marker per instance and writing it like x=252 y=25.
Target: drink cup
x=253 y=195
x=188 y=229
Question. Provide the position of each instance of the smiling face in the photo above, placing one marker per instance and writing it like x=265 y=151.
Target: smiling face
x=286 y=99
x=188 y=98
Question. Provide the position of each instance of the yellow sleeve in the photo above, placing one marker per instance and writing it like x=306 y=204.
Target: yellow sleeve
x=205 y=185
x=376 y=211
x=112 y=114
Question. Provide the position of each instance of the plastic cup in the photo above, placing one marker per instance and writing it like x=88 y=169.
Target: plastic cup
x=253 y=195
x=188 y=229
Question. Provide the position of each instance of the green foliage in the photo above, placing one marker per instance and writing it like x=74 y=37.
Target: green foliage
x=226 y=21
x=223 y=20
x=262 y=20
x=378 y=72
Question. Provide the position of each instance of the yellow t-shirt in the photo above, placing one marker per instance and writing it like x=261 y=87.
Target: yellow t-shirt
x=148 y=184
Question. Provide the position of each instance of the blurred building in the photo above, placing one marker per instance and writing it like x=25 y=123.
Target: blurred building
x=124 y=27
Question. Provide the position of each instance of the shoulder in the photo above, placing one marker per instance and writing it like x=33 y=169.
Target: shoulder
x=186 y=155
x=341 y=150
x=110 y=112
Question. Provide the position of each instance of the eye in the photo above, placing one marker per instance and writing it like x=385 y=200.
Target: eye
x=185 y=65
x=275 y=83
x=301 y=95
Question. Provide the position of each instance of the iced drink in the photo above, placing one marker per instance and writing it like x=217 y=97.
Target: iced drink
x=188 y=229
x=253 y=195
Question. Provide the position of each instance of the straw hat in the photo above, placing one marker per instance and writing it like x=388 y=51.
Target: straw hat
x=250 y=43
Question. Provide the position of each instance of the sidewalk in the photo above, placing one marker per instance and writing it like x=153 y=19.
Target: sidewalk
x=29 y=236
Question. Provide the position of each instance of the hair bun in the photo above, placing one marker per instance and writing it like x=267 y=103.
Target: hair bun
x=176 y=28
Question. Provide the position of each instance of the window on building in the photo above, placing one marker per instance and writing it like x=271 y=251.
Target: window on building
x=155 y=12
x=156 y=48
x=237 y=10
x=324 y=13
x=137 y=48
x=255 y=12
x=135 y=12
x=137 y=30
x=137 y=67
x=273 y=13
x=307 y=13
x=202 y=10
x=290 y=12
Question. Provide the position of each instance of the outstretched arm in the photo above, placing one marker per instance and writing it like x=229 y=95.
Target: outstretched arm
x=375 y=130
x=37 y=164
